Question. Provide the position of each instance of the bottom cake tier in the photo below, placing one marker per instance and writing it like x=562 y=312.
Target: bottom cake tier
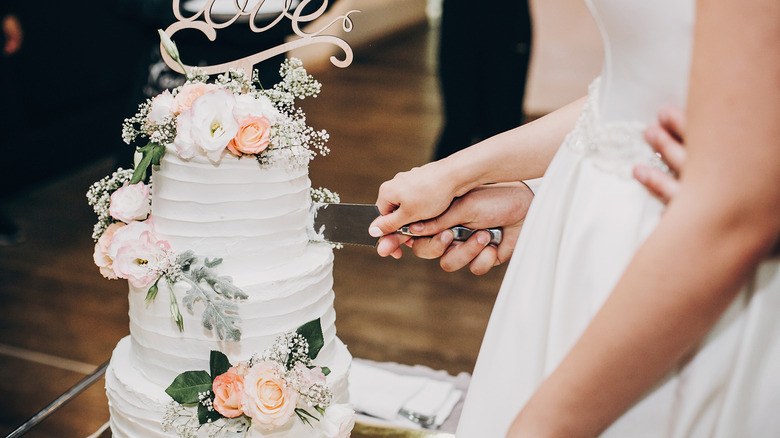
x=138 y=406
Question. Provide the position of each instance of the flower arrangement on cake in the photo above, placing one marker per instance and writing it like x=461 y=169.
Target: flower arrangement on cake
x=266 y=392
x=233 y=115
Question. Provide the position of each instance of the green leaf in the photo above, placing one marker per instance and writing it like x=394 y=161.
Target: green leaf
x=152 y=154
x=139 y=174
x=205 y=415
x=187 y=385
x=219 y=363
x=325 y=370
x=312 y=332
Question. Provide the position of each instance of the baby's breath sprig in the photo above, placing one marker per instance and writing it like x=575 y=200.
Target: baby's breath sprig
x=99 y=197
x=323 y=195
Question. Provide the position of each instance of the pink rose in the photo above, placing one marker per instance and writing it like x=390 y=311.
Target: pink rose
x=338 y=421
x=102 y=260
x=128 y=233
x=130 y=203
x=267 y=400
x=137 y=260
x=228 y=389
x=241 y=369
x=188 y=94
x=253 y=136
x=309 y=377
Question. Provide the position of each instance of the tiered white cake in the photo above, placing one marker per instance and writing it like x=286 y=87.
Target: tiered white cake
x=231 y=302
x=256 y=220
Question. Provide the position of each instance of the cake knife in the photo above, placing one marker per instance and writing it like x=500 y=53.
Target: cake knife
x=348 y=224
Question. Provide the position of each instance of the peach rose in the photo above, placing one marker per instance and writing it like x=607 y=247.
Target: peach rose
x=267 y=400
x=101 y=257
x=228 y=389
x=252 y=137
x=188 y=93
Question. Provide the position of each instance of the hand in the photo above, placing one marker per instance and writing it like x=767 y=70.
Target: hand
x=419 y=194
x=500 y=205
x=666 y=138
x=12 y=30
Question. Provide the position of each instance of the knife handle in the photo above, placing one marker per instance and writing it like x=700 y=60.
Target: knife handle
x=462 y=233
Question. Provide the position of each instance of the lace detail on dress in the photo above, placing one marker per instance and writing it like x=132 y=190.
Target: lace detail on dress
x=615 y=147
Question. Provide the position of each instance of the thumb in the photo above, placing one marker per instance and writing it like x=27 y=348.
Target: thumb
x=389 y=223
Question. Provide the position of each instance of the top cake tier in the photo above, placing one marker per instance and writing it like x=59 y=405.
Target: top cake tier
x=247 y=214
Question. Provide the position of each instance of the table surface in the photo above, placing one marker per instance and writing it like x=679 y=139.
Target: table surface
x=363 y=429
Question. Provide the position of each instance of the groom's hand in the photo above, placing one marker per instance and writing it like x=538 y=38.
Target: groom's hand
x=499 y=205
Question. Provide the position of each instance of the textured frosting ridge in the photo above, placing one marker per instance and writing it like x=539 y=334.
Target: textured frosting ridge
x=257 y=220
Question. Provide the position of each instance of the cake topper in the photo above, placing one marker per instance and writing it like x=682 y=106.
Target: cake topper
x=204 y=21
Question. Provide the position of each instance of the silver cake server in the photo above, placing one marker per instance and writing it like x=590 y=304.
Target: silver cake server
x=348 y=224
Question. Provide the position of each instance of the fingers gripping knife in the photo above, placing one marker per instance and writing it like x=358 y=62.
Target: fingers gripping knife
x=348 y=224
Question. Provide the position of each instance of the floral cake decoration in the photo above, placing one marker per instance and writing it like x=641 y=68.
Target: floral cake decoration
x=232 y=115
x=266 y=393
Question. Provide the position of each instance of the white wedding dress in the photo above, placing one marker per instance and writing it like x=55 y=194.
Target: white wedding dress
x=588 y=219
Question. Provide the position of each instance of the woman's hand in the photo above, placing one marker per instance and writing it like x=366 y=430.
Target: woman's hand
x=500 y=205
x=666 y=138
x=419 y=194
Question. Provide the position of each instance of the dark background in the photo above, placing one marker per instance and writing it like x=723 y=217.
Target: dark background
x=81 y=72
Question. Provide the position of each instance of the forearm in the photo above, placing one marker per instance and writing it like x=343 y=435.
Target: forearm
x=670 y=296
x=519 y=154
x=709 y=240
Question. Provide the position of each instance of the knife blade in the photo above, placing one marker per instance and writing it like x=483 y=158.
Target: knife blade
x=348 y=224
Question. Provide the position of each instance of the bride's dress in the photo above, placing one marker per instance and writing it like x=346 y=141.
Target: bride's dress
x=588 y=219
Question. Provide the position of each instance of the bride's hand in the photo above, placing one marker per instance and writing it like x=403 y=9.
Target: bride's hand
x=500 y=205
x=419 y=194
x=666 y=138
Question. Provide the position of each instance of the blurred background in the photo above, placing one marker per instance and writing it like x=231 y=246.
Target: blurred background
x=82 y=67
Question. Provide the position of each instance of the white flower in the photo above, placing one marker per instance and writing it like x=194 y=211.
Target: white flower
x=184 y=143
x=212 y=122
x=168 y=44
x=130 y=203
x=338 y=421
x=250 y=106
x=161 y=107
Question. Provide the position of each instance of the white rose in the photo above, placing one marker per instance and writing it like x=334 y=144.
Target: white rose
x=338 y=421
x=128 y=233
x=250 y=106
x=213 y=124
x=184 y=143
x=130 y=203
x=161 y=107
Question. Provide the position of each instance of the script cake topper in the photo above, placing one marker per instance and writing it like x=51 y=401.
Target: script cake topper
x=209 y=26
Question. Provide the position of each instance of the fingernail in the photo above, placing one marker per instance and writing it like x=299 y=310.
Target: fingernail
x=663 y=116
x=416 y=228
x=446 y=237
x=651 y=134
x=483 y=238
x=640 y=173
x=375 y=232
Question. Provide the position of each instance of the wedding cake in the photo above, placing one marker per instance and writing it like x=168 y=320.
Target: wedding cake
x=231 y=302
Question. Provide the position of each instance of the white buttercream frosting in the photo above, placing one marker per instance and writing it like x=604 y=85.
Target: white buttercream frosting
x=257 y=220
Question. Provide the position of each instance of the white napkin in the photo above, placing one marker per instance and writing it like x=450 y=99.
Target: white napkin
x=383 y=394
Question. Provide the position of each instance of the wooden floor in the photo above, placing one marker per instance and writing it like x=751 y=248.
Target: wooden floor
x=59 y=319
